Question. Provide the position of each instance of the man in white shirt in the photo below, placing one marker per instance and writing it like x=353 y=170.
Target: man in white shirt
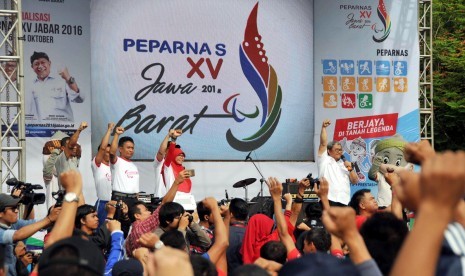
x=102 y=174
x=65 y=159
x=49 y=98
x=338 y=172
x=124 y=174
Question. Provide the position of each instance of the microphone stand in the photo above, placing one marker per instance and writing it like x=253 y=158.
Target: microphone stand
x=258 y=170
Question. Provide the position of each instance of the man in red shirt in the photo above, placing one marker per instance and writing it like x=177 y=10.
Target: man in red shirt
x=365 y=206
x=144 y=221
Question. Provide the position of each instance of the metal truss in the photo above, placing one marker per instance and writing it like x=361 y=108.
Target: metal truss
x=12 y=127
x=425 y=32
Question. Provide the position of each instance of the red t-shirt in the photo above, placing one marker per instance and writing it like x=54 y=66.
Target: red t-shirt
x=360 y=220
x=294 y=254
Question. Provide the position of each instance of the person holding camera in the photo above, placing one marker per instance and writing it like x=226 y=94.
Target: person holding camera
x=13 y=229
x=335 y=169
x=65 y=159
x=174 y=164
x=173 y=217
x=23 y=259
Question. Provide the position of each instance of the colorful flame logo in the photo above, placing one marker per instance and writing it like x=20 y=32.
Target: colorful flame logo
x=263 y=79
x=385 y=19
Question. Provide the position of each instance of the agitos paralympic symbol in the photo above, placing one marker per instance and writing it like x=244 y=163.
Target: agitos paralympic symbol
x=385 y=20
x=264 y=81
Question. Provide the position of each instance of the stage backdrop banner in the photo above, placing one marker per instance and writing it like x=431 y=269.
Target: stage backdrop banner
x=366 y=75
x=60 y=32
x=236 y=76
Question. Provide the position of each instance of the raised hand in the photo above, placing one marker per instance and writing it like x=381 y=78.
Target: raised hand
x=183 y=222
x=340 y=221
x=442 y=180
x=275 y=187
x=113 y=225
x=64 y=73
x=182 y=175
x=148 y=240
x=119 y=130
x=288 y=197
x=82 y=126
x=210 y=203
x=54 y=213
x=326 y=123
x=418 y=153
x=110 y=126
x=71 y=181
x=177 y=133
x=408 y=189
x=322 y=191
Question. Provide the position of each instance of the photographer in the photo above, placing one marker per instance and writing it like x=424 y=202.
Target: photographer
x=18 y=193
x=23 y=259
x=28 y=198
x=173 y=216
x=118 y=210
x=13 y=229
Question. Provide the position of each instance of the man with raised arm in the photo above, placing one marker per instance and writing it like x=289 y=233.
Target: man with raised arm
x=338 y=172
x=124 y=174
x=50 y=97
x=102 y=174
x=65 y=159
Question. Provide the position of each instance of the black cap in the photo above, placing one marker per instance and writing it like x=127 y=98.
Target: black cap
x=7 y=201
x=319 y=264
x=89 y=256
x=128 y=267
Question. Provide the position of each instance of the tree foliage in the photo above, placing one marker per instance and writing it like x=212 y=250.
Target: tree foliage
x=449 y=73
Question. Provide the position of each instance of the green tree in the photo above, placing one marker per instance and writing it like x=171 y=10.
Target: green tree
x=449 y=74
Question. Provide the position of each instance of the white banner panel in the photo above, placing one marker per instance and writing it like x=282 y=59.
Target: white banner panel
x=236 y=76
x=366 y=75
x=58 y=32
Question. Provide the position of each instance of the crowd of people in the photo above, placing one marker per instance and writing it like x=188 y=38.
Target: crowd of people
x=339 y=234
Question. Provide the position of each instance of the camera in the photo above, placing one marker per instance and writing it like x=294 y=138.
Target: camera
x=191 y=218
x=28 y=196
x=223 y=202
x=313 y=181
x=119 y=210
x=59 y=196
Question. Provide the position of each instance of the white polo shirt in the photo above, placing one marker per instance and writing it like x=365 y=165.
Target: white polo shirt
x=160 y=189
x=338 y=178
x=102 y=179
x=124 y=176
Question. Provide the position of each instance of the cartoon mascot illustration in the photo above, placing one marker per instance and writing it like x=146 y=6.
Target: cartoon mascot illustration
x=389 y=157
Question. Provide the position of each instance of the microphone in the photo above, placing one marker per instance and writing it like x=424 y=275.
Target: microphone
x=248 y=156
x=343 y=158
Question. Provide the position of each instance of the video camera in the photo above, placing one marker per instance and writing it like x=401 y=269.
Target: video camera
x=59 y=196
x=313 y=181
x=28 y=196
